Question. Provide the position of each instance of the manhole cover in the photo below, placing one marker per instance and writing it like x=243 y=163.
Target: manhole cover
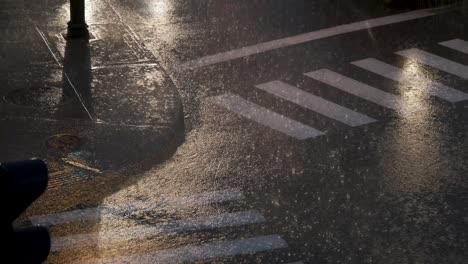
x=64 y=142
x=46 y=97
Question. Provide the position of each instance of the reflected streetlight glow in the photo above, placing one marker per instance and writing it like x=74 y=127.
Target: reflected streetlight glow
x=413 y=97
x=159 y=8
x=413 y=141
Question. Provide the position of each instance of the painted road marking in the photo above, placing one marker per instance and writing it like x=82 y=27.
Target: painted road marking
x=306 y=37
x=362 y=90
x=147 y=232
x=407 y=77
x=435 y=61
x=456 y=44
x=298 y=262
x=266 y=117
x=315 y=103
x=204 y=251
x=167 y=203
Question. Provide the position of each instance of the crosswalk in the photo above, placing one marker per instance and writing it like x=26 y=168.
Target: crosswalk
x=315 y=103
x=416 y=82
x=360 y=89
x=341 y=114
x=456 y=44
x=211 y=250
x=266 y=117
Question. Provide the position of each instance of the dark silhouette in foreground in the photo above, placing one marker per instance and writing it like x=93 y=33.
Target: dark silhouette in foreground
x=21 y=183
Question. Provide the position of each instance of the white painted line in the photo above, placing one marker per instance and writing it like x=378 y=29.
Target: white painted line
x=164 y=204
x=203 y=252
x=147 y=232
x=362 y=90
x=413 y=79
x=306 y=37
x=315 y=103
x=456 y=44
x=266 y=117
x=66 y=217
x=435 y=61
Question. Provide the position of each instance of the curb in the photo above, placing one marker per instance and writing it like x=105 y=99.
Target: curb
x=124 y=111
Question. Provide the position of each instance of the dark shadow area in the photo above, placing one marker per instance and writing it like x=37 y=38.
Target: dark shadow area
x=77 y=77
x=405 y=4
x=21 y=183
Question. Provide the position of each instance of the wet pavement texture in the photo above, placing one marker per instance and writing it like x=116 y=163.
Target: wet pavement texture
x=242 y=131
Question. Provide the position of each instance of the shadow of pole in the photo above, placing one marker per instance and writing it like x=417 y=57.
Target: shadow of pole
x=77 y=78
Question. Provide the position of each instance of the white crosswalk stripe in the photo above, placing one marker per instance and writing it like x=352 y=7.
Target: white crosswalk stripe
x=362 y=90
x=410 y=78
x=266 y=117
x=147 y=232
x=315 y=103
x=406 y=76
x=95 y=213
x=203 y=252
x=456 y=44
x=435 y=61
x=114 y=234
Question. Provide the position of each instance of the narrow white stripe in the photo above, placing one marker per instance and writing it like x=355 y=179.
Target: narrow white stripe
x=164 y=204
x=435 y=61
x=68 y=216
x=204 y=251
x=456 y=44
x=306 y=37
x=362 y=90
x=266 y=117
x=147 y=232
x=315 y=103
x=412 y=79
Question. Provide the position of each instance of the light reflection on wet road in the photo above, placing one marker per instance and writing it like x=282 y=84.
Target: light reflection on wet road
x=313 y=148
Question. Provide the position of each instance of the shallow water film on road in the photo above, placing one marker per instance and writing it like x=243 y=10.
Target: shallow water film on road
x=219 y=131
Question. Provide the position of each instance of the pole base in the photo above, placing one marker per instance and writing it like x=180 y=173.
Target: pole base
x=77 y=30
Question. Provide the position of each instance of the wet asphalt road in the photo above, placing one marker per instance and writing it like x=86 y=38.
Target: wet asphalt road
x=270 y=174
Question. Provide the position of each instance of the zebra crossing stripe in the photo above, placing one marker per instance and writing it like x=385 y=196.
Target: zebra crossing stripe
x=147 y=232
x=410 y=78
x=202 y=252
x=360 y=89
x=95 y=213
x=266 y=117
x=456 y=44
x=435 y=61
x=315 y=103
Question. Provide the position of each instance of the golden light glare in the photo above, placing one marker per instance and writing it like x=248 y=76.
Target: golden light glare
x=414 y=89
x=159 y=8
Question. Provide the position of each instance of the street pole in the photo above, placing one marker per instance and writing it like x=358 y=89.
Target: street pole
x=77 y=27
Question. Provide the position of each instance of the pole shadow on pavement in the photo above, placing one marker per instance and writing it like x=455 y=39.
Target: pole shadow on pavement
x=76 y=80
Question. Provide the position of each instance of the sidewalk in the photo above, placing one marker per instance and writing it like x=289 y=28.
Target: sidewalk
x=98 y=111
